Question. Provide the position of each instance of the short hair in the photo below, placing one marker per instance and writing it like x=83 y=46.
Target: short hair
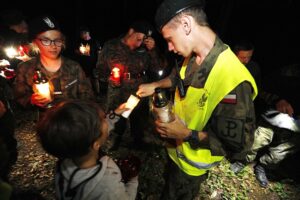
x=69 y=129
x=243 y=45
x=84 y=29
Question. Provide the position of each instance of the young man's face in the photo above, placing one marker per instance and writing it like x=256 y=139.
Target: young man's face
x=22 y=27
x=136 y=40
x=176 y=39
x=244 y=56
x=85 y=35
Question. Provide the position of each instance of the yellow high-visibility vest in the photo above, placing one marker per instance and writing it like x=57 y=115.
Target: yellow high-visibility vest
x=197 y=106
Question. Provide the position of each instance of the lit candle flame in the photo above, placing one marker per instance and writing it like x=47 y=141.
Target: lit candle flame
x=11 y=52
x=84 y=49
x=18 y=53
x=116 y=72
x=44 y=90
x=4 y=62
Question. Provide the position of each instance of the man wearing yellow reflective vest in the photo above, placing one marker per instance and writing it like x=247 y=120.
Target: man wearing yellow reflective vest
x=215 y=116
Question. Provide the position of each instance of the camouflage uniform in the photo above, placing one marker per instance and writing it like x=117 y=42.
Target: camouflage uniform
x=133 y=64
x=69 y=81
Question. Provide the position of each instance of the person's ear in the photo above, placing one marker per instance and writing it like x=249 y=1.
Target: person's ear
x=63 y=47
x=186 y=23
x=96 y=145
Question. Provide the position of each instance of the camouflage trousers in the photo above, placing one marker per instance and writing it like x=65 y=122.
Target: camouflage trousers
x=274 y=153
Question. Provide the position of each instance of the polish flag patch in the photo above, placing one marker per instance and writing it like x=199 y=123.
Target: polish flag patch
x=230 y=99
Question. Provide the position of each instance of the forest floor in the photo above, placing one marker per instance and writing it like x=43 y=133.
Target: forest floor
x=33 y=174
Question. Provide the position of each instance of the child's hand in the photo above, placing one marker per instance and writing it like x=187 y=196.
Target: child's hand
x=122 y=108
x=39 y=100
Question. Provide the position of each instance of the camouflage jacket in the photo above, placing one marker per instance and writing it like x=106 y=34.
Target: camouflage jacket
x=135 y=62
x=69 y=81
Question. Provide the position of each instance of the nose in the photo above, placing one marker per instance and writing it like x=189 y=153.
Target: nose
x=52 y=43
x=170 y=47
x=245 y=61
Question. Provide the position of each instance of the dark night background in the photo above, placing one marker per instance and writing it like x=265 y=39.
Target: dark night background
x=271 y=25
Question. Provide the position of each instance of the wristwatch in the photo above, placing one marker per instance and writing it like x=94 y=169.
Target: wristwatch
x=193 y=139
x=192 y=136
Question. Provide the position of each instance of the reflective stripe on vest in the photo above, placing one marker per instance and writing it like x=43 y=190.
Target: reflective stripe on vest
x=198 y=165
x=196 y=109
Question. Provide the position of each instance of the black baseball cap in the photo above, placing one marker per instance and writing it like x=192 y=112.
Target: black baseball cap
x=170 y=8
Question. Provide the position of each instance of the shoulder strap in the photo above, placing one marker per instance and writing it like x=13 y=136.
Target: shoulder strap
x=71 y=192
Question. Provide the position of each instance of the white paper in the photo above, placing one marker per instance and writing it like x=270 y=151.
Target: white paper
x=131 y=103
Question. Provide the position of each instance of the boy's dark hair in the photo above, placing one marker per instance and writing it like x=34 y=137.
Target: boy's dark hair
x=243 y=45
x=142 y=26
x=83 y=29
x=69 y=129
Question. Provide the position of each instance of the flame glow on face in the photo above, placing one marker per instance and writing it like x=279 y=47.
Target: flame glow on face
x=49 y=51
x=245 y=56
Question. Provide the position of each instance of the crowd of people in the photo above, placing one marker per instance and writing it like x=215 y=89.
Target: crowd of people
x=221 y=107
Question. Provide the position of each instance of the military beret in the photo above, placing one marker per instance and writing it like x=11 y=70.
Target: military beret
x=142 y=26
x=170 y=8
x=42 y=24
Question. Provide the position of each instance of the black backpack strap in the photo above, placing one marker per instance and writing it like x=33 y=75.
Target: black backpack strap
x=61 y=179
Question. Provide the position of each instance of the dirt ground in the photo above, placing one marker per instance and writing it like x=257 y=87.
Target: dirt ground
x=32 y=175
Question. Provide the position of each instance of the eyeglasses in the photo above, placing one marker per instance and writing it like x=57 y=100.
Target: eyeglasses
x=48 y=42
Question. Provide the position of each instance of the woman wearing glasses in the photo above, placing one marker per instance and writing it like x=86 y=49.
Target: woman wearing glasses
x=65 y=76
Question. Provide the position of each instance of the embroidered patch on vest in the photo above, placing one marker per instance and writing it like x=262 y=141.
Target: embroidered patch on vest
x=230 y=99
x=202 y=100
